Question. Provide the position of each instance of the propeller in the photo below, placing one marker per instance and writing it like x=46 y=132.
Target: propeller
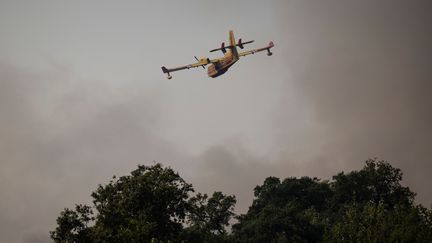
x=199 y=61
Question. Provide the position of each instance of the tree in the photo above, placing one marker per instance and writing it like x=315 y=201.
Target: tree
x=152 y=202
x=72 y=225
x=373 y=222
x=369 y=205
x=377 y=182
x=305 y=192
x=208 y=217
x=285 y=211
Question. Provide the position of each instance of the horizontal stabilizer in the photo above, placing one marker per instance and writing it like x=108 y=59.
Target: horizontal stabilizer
x=239 y=44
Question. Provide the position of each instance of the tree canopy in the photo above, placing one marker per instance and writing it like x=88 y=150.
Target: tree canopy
x=154 y=204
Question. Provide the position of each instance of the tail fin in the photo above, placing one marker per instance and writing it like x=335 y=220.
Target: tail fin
x=231 y=38
x=233 y=44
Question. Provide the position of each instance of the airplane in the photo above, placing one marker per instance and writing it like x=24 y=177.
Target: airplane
x=219 y=66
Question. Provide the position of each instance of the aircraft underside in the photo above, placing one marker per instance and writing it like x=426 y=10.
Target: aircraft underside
x=214 y=71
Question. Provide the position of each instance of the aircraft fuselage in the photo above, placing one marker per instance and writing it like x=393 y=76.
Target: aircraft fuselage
x=218 y=68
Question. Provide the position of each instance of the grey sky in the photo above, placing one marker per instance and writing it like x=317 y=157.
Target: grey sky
x=82 y=97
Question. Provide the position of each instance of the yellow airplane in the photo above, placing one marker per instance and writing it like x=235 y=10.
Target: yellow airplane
x=219 y=66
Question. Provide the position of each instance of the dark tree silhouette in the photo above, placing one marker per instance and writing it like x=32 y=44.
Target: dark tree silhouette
x=154 y=204
x=369 y=205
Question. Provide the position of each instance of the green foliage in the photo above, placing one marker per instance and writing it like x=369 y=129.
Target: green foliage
x=377 y=182
x=72 y=225
x=279 y=224
x=208 y=217
x=304 y=192
x=211 y=214
x=372 y=222
x=369 y=205
x=285 y=212
x=153 y=204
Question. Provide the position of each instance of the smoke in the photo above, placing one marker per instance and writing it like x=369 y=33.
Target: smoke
x=60 y=137
x=348 y=81
x=364 y=69
x=357 y=86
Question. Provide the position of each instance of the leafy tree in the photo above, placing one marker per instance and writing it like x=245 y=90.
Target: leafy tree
x=285 y=211
x=305 y=192
x=208 y=217
x=373 y=222
x=72 y=225
x=279 y=224
x=152 y=202
x=369 y=205
x=377 y=182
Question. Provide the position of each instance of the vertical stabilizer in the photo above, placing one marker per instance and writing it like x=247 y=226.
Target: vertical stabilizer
x=233 y=44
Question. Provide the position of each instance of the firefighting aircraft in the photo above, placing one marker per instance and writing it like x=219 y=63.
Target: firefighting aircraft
x=219 y=66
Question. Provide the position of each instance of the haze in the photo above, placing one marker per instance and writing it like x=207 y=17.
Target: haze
x=82 y=97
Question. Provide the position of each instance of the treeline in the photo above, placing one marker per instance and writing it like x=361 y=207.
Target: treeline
x=154 y=204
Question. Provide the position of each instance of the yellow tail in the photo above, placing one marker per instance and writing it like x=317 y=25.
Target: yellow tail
x=233 y=44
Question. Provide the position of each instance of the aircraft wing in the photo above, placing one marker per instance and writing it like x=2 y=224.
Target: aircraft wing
x=193 y=65
x=267 y=48
x=201 y=63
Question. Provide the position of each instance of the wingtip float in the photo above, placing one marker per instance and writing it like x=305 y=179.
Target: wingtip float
x=220 y=65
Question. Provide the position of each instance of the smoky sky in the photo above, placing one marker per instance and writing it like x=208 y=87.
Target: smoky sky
x=363 y=68
x=82 y=97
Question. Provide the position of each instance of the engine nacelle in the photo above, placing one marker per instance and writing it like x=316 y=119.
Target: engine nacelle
x=204 y=60
x=269 y=53
x=240 y=44
x=223 y=49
